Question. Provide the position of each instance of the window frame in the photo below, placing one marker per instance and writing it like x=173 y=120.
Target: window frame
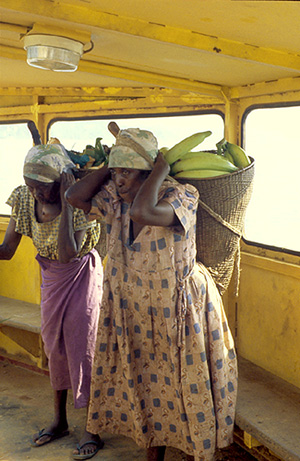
x=274 y=105
x=15 y=122
x=134 y=116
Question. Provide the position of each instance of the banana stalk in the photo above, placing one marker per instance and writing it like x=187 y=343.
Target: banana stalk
x=220 y=146
x=203 y=161
x=184 y=146
x=164 y=150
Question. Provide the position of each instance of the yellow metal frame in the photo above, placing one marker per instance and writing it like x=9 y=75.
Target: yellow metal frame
x=267 y=311
x=20 y=277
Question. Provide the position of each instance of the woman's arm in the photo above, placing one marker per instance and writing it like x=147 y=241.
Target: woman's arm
x=146 y=209
x=80 y=194
x=11 y=241
x=69 y=242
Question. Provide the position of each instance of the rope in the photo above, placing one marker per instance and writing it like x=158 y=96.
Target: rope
x=220 y=219
x=136 y=147
x=237 y=270
x=141 y=151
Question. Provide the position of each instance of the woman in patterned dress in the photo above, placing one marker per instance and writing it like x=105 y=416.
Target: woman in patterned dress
x=165 y=370
x=71 y=276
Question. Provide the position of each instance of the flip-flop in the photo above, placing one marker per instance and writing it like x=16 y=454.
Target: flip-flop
x=52 y=436
x=99 y=445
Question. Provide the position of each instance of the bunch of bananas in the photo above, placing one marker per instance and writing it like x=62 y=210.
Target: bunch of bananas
x=97 y=154
x=90 y=157
x=204 y=164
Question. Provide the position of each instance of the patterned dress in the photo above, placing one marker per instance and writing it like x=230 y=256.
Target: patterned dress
x=70 y=296
x=44 y=235
x=165 y=366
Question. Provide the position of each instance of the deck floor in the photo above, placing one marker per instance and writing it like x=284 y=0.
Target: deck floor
x=26 y=407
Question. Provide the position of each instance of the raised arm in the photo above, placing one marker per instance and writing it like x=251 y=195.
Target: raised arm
x=80 y=194
x=69 y=242
x=10 y=242
x=146 y=209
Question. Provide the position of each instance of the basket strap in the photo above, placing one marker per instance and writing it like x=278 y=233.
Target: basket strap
x=237 y=270
x=136 y=148
x=141 y=151
x=219 y=218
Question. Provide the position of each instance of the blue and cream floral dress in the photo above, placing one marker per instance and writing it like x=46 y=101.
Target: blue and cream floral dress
x=165 y=366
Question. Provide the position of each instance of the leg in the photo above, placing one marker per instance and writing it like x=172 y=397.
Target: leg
x=59 y=427
x=156 y=453
x=60 y=409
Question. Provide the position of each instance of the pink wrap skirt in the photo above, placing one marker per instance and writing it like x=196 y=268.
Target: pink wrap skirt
x=70 y=303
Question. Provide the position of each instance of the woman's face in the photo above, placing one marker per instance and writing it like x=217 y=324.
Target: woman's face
x=128 y=182
x=44 y=193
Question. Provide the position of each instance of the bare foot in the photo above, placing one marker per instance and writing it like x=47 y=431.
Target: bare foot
x=86 y=448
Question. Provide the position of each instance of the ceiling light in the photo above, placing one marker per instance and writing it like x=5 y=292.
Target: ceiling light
x=51 y=52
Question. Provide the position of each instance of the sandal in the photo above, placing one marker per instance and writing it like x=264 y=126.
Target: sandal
x=52 y=435
x=99 y=445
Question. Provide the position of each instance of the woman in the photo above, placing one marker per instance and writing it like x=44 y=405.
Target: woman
x=71 y=276
x=164 y=371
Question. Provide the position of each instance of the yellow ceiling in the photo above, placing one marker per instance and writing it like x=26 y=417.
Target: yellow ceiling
x=194 y=45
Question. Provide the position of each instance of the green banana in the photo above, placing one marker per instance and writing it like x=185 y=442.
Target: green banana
x=199 y=174
x=229 y=157
x=96 y=152
x=202 y=161
x=187 y=144
x=100 y=155
x=241 y=159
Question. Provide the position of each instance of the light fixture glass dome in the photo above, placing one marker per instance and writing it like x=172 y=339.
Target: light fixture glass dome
x=51 y=52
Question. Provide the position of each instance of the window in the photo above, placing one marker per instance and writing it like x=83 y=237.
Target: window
x=15 y=142
x=273 y=215
x=168 y=130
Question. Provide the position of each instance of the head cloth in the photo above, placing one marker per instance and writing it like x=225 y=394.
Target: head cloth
x=134 y=148
x=45 y=163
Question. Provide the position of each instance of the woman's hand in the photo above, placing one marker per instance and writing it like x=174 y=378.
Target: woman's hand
x=66 y=180
x=69 y=241
x=11 y=241
x=161 y=164
x=146 y=209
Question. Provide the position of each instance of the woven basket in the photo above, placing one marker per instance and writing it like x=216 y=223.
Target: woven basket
x=220 y=220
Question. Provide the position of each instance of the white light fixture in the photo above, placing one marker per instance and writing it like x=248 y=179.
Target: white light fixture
x=52 y=52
